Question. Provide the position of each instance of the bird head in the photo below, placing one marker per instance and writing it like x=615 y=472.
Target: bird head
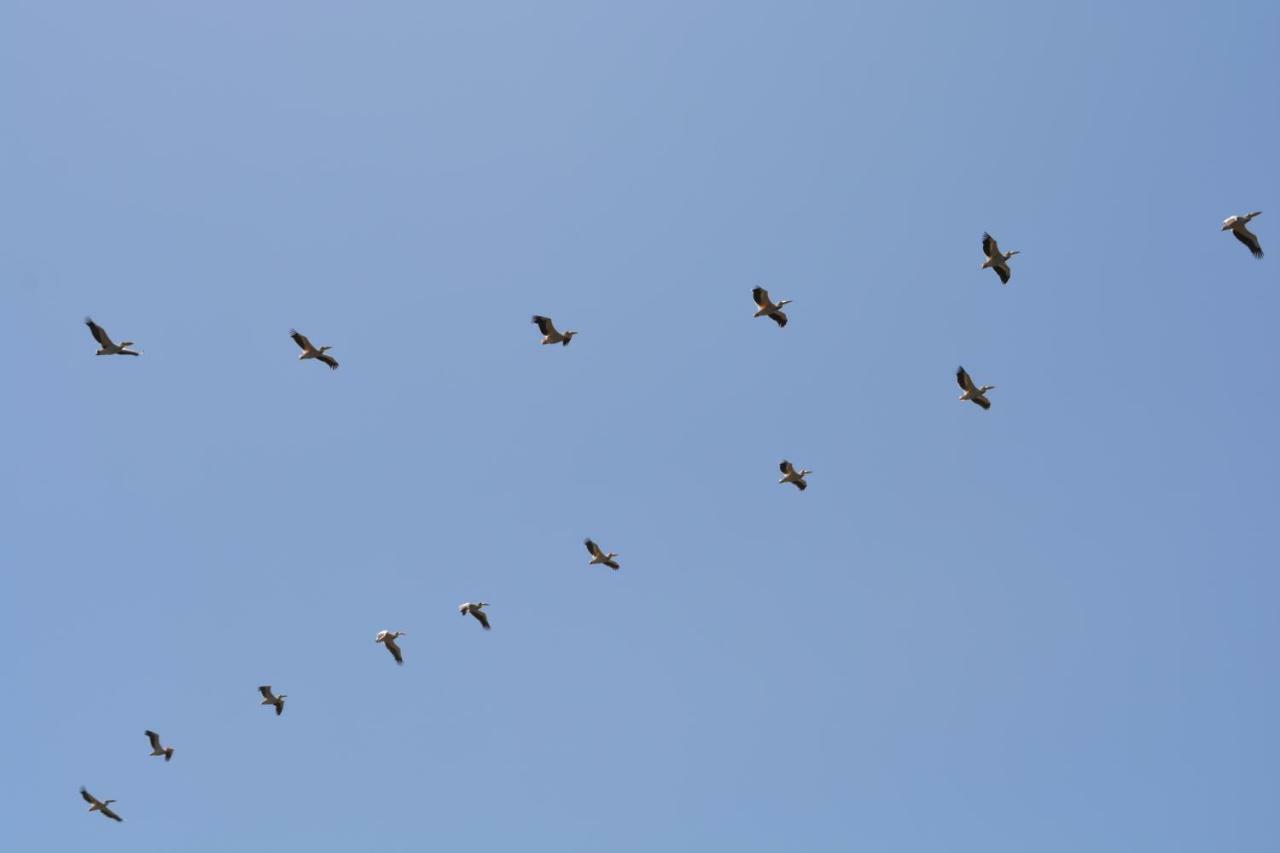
x=126 y=343
x=1225 y=225
x=985 y=388
x=568 y=335
x=1011 y=254
x=324 y=349
x=107 y=802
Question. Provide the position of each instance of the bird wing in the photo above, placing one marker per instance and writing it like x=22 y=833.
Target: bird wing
x=779 y=318
x=265 y=690
x=106 y=810
x=482 y=617
x=611 y=564
x=983 y=402
x=1244 y=235
x=544 y=324
x=279 y=707
x=99 y=333
x=786 y=468
x=592 y=548
x=154 y=738
x=989 y=247
x=1002 y=270
x=329 y=360
x=760 y=295
x=962 y=377
x=800 y=484
x=394 y=649
x=89 y=798
x=300 y=339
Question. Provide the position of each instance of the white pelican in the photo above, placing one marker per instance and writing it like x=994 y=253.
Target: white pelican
x=549 y=333
x=388 y=639
x=972 y=392
x=792 y=476
x=269 y=699
x=1236 y=225
x=105 y=346
x=995 y=259
x=96 y=805
x=308 y=351
x=598 y=556
x=474 y=609
x=767 y=308
x=156 y=748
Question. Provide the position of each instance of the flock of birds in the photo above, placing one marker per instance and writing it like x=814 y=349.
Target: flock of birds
x=765 y=307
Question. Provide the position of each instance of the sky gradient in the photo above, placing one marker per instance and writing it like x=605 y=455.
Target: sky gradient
x=1047 y=627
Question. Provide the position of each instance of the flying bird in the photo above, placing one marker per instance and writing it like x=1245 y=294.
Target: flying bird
x=308 y=351
x=792 y=476
x=268 y=698
x=549 y=333
x=1236 y=225
x=388 y=639
x=96 y=805
x=156 y=748
x=474 y=609
x=598 y=556
x=995 y=259
x=768 y=308
x=105 y=346
x=972 y=392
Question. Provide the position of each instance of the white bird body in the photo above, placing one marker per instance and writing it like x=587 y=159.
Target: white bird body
x=388 y=639
x=792 y=476
x=309 y=351
x=1236 y=225
x=996 y=260
x=96 y=805
x=105 y=344
x=549 y=333
x=269 y=698
x=599 y=557
x=468 y=608
x=765 y=307
x=973 y=393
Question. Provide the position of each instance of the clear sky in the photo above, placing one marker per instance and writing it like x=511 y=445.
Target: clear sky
x=1047 y=627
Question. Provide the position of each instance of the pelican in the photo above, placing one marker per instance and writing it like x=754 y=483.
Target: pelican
x=768 y=308
x=995 y=259
x=96 y=805
x=598 y=556
x=388 y=639
x=474 y=609
x=156 y=748
x=792 y=476
x=972 y=392
x=269 y=699
x=1236 y=225
x=549 y=333
x=105 y=346
x=308 y=351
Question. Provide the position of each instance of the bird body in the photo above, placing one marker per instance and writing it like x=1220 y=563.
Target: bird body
x=765 y=307
x=973 y=393
x=997 y=260
x=105 y=345
x=309 y=351
x=156 y=748
x=598 y=556
x=1236 y=225
x=792 y=476
x=96 y=805
x=388 y=639
x=468 y=608
x=549 y=333
x=269 y=698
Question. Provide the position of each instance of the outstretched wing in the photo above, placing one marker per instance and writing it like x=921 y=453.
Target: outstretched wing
x=760 y=295
x=99 y=333
x=106 y=810
x=785 y=467
x=300 y=339
x=394 y=649
x=592 y=548
x=544 y=324
x=1244 y=235
x=482 y=617
x=989 y=247
x=265 y=690
x=962 y=377
x=611 y=564
x=779 y=318
x=279 y=707
x=983 y=402
x=800 y=484
x=329 y=360
x=1003 y=271
x=89 y=798
x=154 y=738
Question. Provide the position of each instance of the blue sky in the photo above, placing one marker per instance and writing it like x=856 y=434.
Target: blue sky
x=1046 y=627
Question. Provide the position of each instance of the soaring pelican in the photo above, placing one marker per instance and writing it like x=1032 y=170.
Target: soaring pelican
x=474 y=609
x=388 y=639
x=156 y=748
x=308 y=351
x=105 y=346
x=972 y=392
x=995 y=259
x=792 y=476
x=96 y=805
x=268 y=698
x=549 y=333
x=1236 y=225
x=767 y=308
x=598 y=556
